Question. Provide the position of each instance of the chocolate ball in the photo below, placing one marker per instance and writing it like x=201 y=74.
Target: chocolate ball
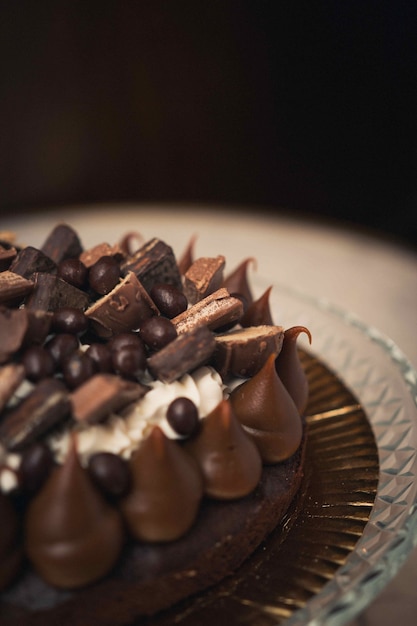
x=157 y=332
x=182 y=416
x=169 y=300
x=110 y=473
x=104 y=275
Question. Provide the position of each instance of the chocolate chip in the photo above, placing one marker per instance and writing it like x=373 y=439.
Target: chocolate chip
x=69 y=320
x=104 y=275
x=35 y=467
x=169 y=300
x=74 y=272
x=110 y=473
x=61 y=346
x=157 y=332
x=101 y=355
x=182 y=416
x=129 y=361
x=77 y=368
x=38 y=363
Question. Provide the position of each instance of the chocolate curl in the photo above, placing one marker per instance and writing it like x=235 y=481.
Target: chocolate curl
x=290 y=369
x=237 y=281
x=258 y=312
x=187 y=257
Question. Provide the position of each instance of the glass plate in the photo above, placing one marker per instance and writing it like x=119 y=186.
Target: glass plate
x=385 y=383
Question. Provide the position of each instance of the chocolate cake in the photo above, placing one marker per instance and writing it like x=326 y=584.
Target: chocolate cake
x=151 y=427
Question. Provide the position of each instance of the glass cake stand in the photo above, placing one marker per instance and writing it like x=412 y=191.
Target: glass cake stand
x=385 y=384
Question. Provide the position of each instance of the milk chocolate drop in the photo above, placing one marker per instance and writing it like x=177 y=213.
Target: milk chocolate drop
x=230 y=462
x=10 y=548
x=73 y=537
x=268 y=413
x=166 y=490
x=290 y=370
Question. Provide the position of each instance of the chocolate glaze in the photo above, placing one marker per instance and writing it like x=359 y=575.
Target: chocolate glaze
x=268 y=414
x=228 y=458
x=290 y=370
x=10 y=545
x=167 y=488
x=73 y=537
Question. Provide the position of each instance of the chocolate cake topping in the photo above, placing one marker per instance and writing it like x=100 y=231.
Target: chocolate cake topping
x=30 y=260
x=13 y=288
x=229 y=460
x=237 y=282
x=214 y=311
x=62 y=243
x=123 y=309
x=73 y=537
x=154 y=263
x=242 y=352
x=258 y=312
x=268 y=414
x=47 y=405
x=289 y=368
x=203 y=277
x=51 y=292
x=167 y=488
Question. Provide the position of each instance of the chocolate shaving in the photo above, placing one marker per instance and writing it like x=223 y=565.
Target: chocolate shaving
x=214 y=311
x=102 y=395
x=47 y=405
x=184 y=354
x=203 y=277
x=154 y=263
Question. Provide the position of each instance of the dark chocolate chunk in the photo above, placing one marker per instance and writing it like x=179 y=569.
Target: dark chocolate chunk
x=203 y=277
x=45 y=406
x=62 y=243
x=39 y=325
x=91 y=256
x=13 y=327
x=184 y=354
x=102 y=395
x=123 y=309
x=154 y=263
x=214 y=311
x=11 y=375
x=242 y=352
x=13 y=288
x=31 y=260
x=51 y=292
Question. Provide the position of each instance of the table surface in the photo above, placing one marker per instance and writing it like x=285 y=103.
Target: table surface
x=371 y=277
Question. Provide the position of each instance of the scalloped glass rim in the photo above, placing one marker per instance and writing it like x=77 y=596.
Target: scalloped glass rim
x=385 y=383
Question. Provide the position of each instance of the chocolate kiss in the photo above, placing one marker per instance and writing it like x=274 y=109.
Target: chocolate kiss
x=73 y=537
x=230 y=461
x=268 y=413
x=237 y=281
x=166 y=492
x=10 y=549
x=258 y=313
x=290 y=370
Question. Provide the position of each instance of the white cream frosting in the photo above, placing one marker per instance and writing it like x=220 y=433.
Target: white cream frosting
x=121 y=434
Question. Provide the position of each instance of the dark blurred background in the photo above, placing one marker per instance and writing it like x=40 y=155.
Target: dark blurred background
x=308 y=108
